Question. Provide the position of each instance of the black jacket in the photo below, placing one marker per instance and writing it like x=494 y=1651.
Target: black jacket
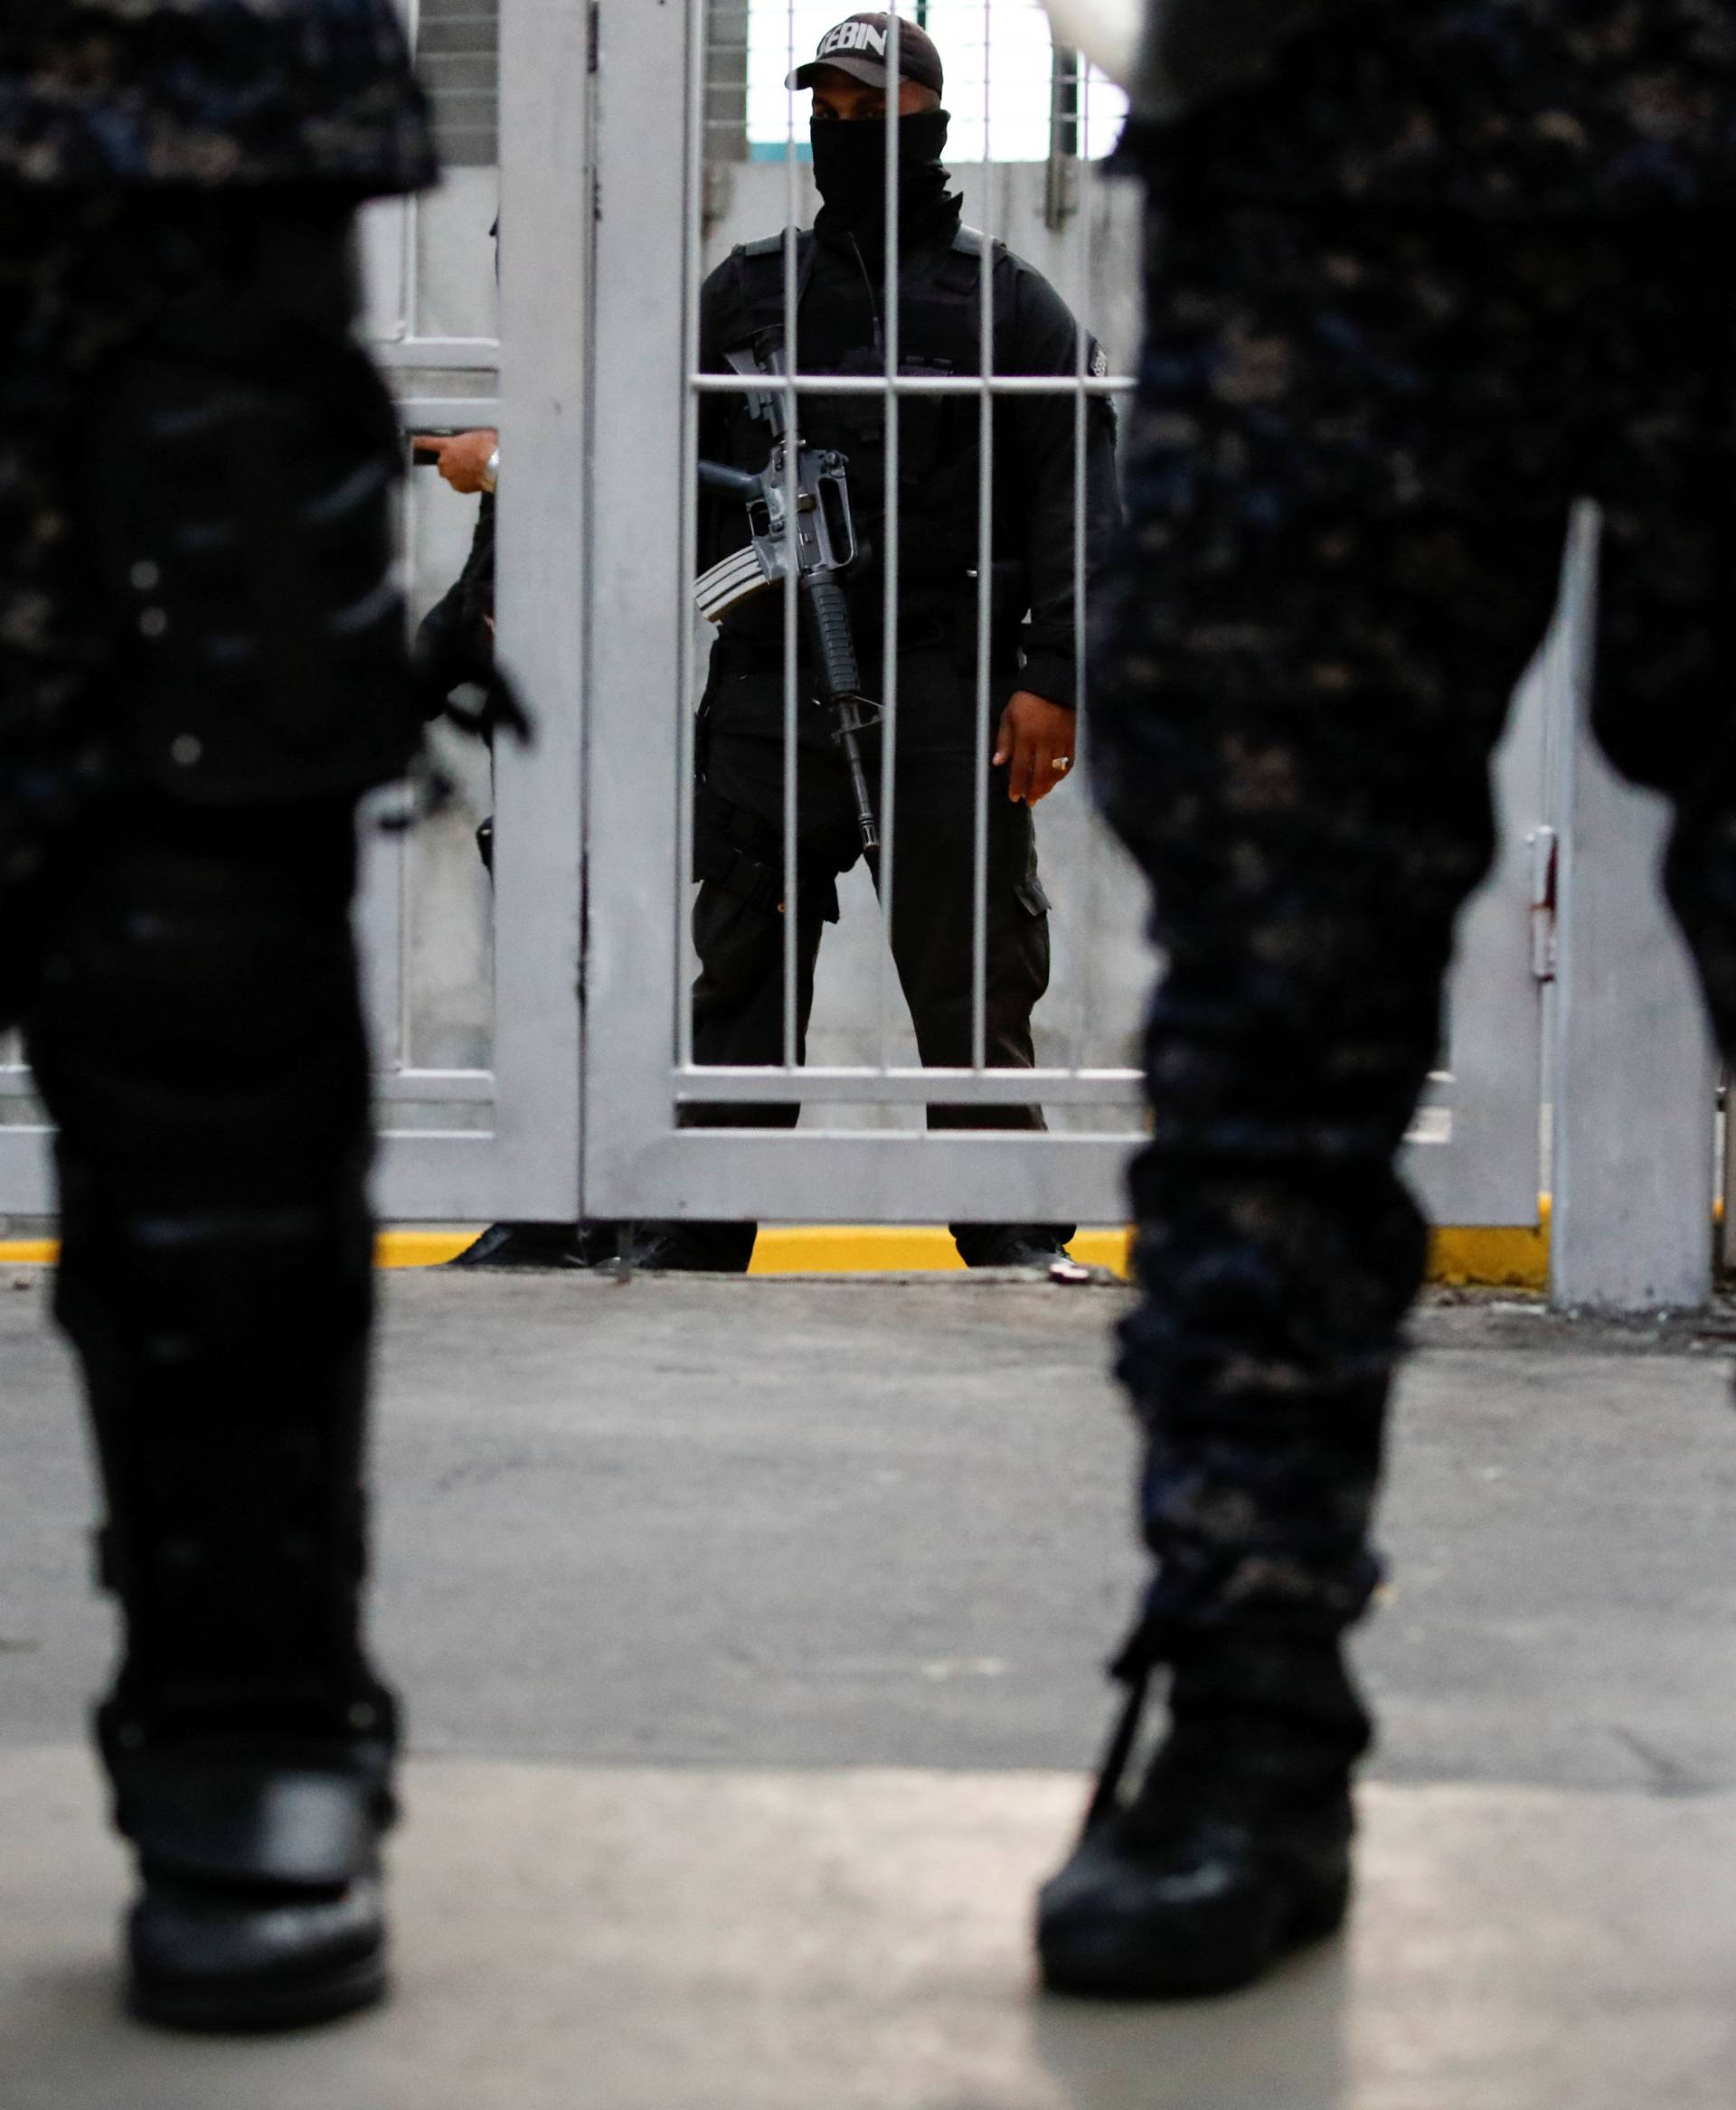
x=839 y=331
x=454 y=643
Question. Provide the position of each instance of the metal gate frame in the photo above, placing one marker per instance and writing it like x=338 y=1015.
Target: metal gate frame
x=527 y=1164
x=1485 y=1168
x=595 y=344
x=636 y=1161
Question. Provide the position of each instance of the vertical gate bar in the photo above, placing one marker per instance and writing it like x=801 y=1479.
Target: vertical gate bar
x=640 y=584
x=792 y=412
x=413 y=213
x=1725 y=1255
x=886 y=874
x=399 y=850
x=548 y=250
x=985 y=578
x=1085 y=197
x=698 y=90
x=403 y=893
x=406 y=895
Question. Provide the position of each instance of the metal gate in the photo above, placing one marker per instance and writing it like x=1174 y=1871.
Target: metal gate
x=1476 y=1154
x=480 y=1116
x=614 y=192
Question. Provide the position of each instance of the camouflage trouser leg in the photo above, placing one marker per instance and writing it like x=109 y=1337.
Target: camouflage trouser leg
x=1351 y=469
x=181 y=959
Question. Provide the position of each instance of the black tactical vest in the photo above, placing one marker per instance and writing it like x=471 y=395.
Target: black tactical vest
x=839 y=330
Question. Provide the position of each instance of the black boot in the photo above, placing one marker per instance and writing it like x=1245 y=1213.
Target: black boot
x=197 y=1035
x=542 y=1245
x=262 y=1901
x=690 y=1248
x=1018 y=1245
x=1236 y=1847
x=247 y=1737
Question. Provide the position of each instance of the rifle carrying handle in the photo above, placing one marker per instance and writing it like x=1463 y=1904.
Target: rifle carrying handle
x=829 y=622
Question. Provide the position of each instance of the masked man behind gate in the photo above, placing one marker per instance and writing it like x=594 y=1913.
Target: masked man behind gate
x=841 y=328
x=202 y=667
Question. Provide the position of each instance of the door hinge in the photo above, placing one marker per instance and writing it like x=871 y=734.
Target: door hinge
x=1545 y=867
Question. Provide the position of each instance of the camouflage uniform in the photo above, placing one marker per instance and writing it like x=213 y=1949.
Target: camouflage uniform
x=133 y=137
x=203 y=663
x=97 y=93
x=1447 y=267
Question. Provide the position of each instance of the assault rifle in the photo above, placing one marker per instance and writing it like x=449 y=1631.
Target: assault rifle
x=817 y=554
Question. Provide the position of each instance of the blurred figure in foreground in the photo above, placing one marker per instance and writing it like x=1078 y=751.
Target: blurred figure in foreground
x=202 y=665
x=1422 y=273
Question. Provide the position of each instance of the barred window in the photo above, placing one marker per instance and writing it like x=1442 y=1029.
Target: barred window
x=458 y=51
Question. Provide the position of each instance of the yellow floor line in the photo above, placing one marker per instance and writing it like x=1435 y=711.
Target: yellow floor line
x=1484 y=1255
x=895 y=1249
x=1493 y=1255
x=422 y=1248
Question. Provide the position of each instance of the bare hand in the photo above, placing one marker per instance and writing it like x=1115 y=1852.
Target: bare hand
x=1036 y=743
x=462 y=457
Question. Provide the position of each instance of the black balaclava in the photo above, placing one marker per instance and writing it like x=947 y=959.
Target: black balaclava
x=850 y=170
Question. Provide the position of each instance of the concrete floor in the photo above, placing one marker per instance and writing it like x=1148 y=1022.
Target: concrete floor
x=749 y=1633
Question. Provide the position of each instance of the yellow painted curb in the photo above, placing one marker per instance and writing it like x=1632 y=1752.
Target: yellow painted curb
x=1484 y=1255
x=392 y=1248
x=1493 y=1255
x=896 y=1249
x=28 y=1252
x=422 y=1248
x=1481 y=1255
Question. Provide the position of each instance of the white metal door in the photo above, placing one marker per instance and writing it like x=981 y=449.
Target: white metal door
x=478 y=1061
x=495 y=1132
x=479 y=1114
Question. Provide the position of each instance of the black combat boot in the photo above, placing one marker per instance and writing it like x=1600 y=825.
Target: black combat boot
x=690 y=1248
x=1019 y=1245
x=249 y=1742
x=1236 y=1847
x=247 y=1738
x=261 y=1905
x=542 y=1245
x=198 y=1038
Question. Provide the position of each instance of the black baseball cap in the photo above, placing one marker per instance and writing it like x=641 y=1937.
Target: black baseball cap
x=860 y=46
